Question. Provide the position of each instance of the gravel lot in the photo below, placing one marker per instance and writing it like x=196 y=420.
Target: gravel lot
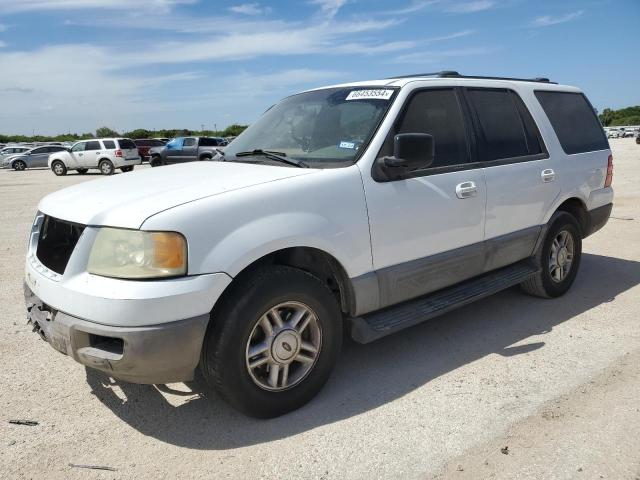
x=555 y=381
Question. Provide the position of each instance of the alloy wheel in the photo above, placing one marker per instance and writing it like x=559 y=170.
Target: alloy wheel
x=283 y=346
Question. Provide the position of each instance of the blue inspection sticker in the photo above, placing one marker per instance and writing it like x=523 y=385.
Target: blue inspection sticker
x=350 y=145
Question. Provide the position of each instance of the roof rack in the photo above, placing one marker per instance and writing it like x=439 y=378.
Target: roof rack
x=454 y=74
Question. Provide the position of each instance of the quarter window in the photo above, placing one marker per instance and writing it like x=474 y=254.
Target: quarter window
x=437 y=113
x=574 y=121
x=109 y=144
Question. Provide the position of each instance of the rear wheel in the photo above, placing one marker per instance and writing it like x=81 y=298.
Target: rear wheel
x=82 y=171
x=19 y=165
x=127 y=169
x=106 y=167
x=59 y=168
x=558 y=257
x=272 y=343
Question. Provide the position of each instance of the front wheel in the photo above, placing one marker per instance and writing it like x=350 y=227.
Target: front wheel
x=59 y=168
x=19 y=165
x=106 y=167
x=155 y=161
x=558 y=257
x=272 y=343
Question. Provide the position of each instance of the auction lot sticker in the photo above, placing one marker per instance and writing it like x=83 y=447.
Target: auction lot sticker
x=379 y=94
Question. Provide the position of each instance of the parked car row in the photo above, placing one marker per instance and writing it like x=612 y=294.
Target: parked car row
x=621 y=132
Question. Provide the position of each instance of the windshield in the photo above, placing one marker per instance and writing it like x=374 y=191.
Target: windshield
x=323 y=128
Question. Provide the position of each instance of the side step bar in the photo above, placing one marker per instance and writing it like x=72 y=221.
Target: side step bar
x=373 y=326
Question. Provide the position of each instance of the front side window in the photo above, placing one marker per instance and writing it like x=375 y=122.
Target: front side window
x=37 y=151
x=189 y=142
x=437 y=113
x=78 y=147
x=175 y=144
x=323 y=128
x=574 y=121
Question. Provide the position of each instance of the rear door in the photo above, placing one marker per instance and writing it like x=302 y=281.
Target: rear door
x=38 y=157
x=92 y=153
x=189 y=150
x=520 y=176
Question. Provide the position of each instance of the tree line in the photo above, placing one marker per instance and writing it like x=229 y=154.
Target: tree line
x=102 y=132
x=623 y=116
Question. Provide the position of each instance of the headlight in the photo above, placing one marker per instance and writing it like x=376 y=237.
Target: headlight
x=137 y=254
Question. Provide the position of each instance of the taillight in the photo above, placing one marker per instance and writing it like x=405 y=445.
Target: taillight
x=609 y=179
x=118 y=153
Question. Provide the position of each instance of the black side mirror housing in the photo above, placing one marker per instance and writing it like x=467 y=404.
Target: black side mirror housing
x=411 y=152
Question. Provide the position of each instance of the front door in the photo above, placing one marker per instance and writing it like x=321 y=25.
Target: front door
x=427 y=232
x=76 y=156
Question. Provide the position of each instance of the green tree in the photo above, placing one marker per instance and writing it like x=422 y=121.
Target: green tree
x=234 y=130
x=606 y=117
x=105 y=132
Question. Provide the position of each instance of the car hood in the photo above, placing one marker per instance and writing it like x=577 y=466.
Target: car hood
x=127 y=200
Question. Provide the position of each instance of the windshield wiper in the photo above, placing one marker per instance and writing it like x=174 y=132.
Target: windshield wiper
x=271 y=155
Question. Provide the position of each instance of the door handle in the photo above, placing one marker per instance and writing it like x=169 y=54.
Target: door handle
x=466 y=190
x=548 y=175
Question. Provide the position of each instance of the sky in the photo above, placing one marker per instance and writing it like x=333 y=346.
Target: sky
x=75 y=65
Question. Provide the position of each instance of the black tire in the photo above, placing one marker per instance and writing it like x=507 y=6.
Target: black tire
x=543 y=284
x=106 y=167
x=82 y=171
x=127 y=169
x=58 y=168
x=205 y=158
x=19 y=165
x=155 y=161
x=223 y=361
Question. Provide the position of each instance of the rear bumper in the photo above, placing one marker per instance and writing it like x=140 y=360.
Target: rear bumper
x=154 y=354
x=598 y=217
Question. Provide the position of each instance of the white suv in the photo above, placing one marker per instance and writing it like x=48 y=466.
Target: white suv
x=104 y=154
x=374 y=205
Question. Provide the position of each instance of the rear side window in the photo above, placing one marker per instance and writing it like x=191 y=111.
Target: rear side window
x=109 y=144
x=574 y=121
x=505 y=126
x=126 y=144
x=92 y=145
x=438 y=113
x=143 y=143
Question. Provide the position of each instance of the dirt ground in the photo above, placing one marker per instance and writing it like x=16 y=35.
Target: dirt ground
x=509 y=387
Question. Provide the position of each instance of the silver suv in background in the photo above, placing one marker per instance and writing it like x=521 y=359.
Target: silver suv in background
x=31 y=158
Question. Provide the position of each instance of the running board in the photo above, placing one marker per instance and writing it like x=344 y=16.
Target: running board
x=372 y=326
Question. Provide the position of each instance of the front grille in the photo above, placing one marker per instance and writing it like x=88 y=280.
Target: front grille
x=56 y=242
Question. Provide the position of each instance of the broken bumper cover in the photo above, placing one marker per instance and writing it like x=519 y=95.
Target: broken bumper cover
x=156 y=354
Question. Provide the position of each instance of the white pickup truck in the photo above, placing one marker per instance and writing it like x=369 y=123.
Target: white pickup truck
x=367 y=208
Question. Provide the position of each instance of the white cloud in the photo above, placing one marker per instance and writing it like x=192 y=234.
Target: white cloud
x=329 y=8
x=416 y=6
x=440 y=55
x=547 y=20
x=13 y=6
x=470 y=7
x=250 y=9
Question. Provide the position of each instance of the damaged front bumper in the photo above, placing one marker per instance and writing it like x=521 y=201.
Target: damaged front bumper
x=154 y=354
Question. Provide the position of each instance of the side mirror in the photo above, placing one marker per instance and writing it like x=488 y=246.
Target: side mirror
x=411 y=152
